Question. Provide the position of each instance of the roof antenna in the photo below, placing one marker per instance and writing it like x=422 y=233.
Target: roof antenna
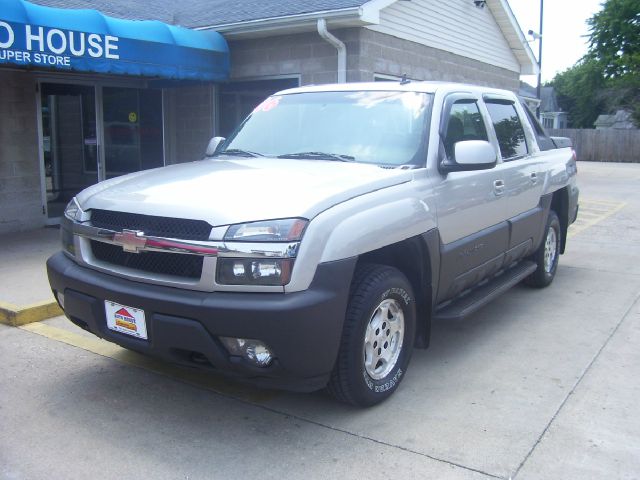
x=404 y=80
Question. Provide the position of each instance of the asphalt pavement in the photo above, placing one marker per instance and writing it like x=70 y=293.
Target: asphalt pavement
x=540 y=384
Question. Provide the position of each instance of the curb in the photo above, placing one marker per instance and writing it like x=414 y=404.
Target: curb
x=15 y=316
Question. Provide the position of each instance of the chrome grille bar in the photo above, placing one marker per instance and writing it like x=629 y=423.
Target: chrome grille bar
x=135 y=242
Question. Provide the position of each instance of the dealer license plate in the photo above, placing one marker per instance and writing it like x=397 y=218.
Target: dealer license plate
x=124 y=319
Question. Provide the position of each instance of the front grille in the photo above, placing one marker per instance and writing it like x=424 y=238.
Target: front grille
x=175 y=264
x=151 y=225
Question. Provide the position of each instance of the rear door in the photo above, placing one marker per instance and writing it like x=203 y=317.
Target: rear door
x=523 y=172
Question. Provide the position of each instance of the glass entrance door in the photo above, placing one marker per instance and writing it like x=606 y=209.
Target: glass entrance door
x=69 y=142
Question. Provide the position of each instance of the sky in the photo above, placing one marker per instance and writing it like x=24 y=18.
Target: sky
x=564 y=31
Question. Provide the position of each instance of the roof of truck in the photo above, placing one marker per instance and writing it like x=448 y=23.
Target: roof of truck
x=408 y=86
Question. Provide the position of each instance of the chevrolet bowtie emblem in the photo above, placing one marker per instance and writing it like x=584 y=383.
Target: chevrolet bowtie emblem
x=131 y=240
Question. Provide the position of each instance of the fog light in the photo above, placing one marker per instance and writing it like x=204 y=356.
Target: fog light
x=254 y=351
x=259 y=354
x=60 y=297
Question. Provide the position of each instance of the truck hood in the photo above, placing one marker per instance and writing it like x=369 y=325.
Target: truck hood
x=235 y=190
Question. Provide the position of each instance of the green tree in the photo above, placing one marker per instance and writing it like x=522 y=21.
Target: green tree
x=614 y=38
x=614 y=41
x=580 y=92
x=608 y=77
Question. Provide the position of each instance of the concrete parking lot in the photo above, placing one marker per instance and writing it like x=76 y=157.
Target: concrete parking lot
x=540 y=384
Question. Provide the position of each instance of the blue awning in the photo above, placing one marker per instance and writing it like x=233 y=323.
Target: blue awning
x=34 y=36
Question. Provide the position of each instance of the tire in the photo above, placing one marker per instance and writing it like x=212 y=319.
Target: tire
x=377 y=338
x=547 y=255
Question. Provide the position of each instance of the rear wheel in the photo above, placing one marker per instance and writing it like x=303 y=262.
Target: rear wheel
x=377 y=339
x=546 y=257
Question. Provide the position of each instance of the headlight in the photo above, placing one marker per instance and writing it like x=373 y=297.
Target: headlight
x=73 y=211
x=285 y=230
x=261 y=271
x=254 y=271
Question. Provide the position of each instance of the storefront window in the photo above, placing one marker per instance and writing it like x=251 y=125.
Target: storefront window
x=132 y=130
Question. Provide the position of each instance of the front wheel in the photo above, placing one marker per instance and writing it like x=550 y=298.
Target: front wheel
x=546 y=257
x=377 y=338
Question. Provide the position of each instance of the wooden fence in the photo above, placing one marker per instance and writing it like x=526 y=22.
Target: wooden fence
x=603 y=145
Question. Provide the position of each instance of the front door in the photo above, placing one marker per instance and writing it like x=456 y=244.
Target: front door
x=75 y=137
x=471 y=211
x=69 y=142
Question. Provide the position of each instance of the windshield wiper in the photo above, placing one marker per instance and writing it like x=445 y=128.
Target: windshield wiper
x=320 y=156
x=239 y=152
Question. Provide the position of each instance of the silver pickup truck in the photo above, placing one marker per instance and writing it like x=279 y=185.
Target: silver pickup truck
x=314 y=247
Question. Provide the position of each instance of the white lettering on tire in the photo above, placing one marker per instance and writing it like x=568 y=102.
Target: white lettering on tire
x=401 y=292
x=388 y=385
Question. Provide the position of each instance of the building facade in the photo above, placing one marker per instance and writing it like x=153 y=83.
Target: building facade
x=551 y=115
x=75 y=118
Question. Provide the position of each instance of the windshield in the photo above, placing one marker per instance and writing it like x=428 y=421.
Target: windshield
x=380 y=127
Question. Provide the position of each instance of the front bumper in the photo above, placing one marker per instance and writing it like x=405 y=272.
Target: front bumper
x=303 y=329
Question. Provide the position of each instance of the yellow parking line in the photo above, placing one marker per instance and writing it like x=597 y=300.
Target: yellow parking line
x=600 y=202
x=576 y=228
x=194 y=377
x=601 y=205
x=590 y=209
x=587 y=213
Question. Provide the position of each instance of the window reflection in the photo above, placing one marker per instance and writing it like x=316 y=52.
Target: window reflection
x=465 y=123
x=508 y=129
x=380 y=127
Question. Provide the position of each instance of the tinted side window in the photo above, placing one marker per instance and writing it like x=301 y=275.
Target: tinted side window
x=465 y=123
x=508 y=129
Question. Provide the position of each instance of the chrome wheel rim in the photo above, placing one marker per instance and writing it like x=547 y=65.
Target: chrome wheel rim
x=383 y=339
x=550 y=249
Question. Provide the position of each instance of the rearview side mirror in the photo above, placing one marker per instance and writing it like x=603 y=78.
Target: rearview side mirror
x=470 y=155
x=213 y=146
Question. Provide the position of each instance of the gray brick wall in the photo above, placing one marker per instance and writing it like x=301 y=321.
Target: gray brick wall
x=368 y=53
x=304 y=54
x=384 y=54
x=20 y=195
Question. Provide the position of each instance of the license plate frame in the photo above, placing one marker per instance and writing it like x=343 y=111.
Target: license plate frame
x=127 y=320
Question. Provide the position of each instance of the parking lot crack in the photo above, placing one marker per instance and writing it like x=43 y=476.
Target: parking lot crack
x=373 y=440
x=576 y=384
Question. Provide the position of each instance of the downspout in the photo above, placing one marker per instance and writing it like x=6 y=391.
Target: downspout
x=340 y=47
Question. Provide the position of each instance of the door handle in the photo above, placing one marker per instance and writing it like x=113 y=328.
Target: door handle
x=498 y=187
x=534 y=178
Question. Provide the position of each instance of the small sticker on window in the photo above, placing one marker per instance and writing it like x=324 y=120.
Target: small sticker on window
x=269 y=104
